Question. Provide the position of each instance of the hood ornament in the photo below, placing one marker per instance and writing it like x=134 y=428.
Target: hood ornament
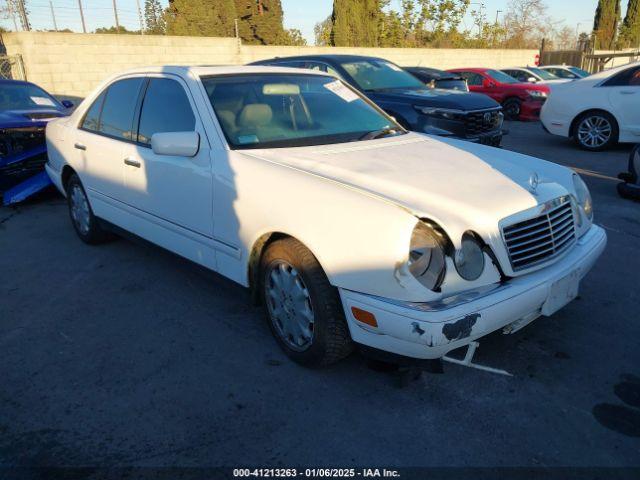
x=534 y=181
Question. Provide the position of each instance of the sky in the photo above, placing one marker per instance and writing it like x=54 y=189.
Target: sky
x=301 y=14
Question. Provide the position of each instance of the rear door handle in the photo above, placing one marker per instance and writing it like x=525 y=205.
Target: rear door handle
x=80 y=146
x=627 y=92
x=131 y=162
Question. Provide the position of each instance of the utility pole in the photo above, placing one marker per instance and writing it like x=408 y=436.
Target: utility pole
x=24 y=19
x=115 y=13
x=53 y=15
x=498 y=12
x=84 y=26
x=140 y=17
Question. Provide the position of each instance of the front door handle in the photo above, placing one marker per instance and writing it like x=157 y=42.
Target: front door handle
x=627 y=92
x=131 y=162
x=80 y=146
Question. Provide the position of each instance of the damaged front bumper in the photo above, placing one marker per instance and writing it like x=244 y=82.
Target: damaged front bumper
x=23 y=154
x=431 y=330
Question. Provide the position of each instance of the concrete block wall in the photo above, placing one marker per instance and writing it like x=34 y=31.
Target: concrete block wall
x=73 y=64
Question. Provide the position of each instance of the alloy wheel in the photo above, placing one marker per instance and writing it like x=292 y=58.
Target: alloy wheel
x=595 y=131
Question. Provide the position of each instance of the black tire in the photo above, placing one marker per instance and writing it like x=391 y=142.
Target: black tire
x=90 y=232
x=330 y=340
x=595 y=117
x=512 y=108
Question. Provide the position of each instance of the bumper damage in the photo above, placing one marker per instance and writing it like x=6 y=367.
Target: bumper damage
x=23 y=154
x=431 y=330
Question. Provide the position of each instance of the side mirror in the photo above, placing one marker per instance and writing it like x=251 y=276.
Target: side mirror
x=176 y=144
x=488 y=83
x=67 y=103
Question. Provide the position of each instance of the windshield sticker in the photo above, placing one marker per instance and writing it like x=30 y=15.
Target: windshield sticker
x=246 y=139
x=43 y=101
x=394 y=67
x=342 y=91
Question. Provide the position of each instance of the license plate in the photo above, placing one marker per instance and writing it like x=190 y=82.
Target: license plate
x=562 y=292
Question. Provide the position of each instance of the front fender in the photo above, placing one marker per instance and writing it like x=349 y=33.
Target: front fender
x=360 y=240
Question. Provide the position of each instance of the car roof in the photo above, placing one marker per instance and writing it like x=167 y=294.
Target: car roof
x=325 y=58
x=9 y=81
x=206 y=70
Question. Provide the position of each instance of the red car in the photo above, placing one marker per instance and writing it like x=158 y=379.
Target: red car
x=521 y=101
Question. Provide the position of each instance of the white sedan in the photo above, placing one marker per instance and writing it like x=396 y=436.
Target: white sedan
x=597 y=111
x=349 y=229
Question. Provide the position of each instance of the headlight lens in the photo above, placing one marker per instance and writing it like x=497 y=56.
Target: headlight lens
x=583 y=197
x=469 y=259
x=427 y=256
x=449 y=114
x=537 y=93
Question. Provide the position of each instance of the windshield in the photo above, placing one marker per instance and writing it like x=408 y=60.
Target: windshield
x=501 y=77
x=283 y=110
x=380 y=75
x=579 y=72
x=18 y=96
x=543 y=74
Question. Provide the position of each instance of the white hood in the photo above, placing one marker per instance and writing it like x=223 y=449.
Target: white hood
x=458 y=184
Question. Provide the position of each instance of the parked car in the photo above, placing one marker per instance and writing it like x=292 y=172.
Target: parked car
x=566 y=71
x=347 y=227
x=25 y=109
x=597 y=111
x=434 y=78
x=533 y=75
x=521 y=101
x=446 y=113
x=630 y=185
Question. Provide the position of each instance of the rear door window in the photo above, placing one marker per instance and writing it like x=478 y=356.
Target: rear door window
x=91 y=120
x=119 y=107
x=165 y=108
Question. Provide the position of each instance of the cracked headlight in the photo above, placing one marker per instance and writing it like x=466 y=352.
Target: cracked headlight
x=583 y=197
x=427 y=255
x=469 y=259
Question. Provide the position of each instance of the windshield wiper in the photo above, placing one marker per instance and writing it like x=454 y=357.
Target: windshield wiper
x=383 y=132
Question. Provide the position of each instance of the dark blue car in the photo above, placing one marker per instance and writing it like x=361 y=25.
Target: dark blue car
x=25 y=110
x=468 y=116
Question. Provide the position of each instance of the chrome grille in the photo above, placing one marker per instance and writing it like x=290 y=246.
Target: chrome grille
x=539 y=239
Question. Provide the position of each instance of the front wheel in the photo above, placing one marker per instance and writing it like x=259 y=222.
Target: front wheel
x=84 y=221
x=512 y=108
x=596 y=131
x=303 y=309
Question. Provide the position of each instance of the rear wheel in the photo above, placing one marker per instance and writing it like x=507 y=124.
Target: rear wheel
x=512 y=108
x=595 y=131
x=303 y=309
x=84 y=221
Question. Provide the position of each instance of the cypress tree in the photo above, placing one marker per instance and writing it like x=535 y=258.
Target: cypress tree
x=356 y=23
x=203 y=18
x=631 y=24
x=605 y=25
x=261 y=22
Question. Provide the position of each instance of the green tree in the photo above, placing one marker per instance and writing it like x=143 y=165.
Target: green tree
x=356 y=23
x=204 y=18
x=294 y=38
x=322 y=32
x=113 y=29
x=154 y=17
x=261 y=22
x=605 y=25
x=630 y=31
